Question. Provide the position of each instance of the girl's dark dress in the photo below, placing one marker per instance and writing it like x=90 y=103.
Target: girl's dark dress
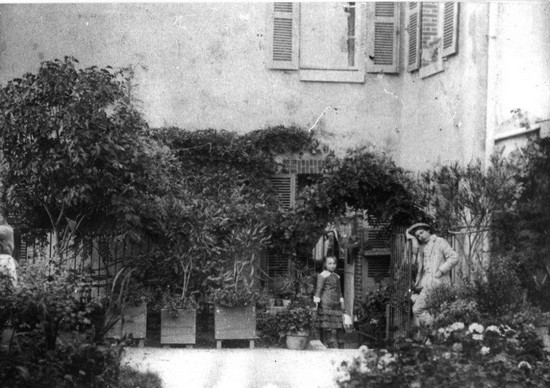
x=329 y=315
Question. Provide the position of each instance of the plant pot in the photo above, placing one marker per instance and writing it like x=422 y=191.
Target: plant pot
x=178 y=330
x=235 y=323
x=133 y=321
x=297 y=341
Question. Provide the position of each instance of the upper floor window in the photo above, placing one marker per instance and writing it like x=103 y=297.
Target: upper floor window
x=432 y=35
x=333 y=42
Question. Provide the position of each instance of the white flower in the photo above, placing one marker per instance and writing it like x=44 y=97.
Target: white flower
x=447 y=355
x=475 y=328
x=457 y=347
x=485 y=350
x=477 y=337
x=456 y=326
x=524 y=364
x=492 y=328
x=441 y=330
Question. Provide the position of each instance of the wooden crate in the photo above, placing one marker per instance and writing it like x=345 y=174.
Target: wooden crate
x=235 y=323
x=179 y=330
x=133 y=321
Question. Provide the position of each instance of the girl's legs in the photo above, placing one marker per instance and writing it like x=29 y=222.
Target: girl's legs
x=330 y=338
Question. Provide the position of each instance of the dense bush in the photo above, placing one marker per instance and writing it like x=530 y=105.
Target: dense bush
x=459 y=356
x=370 y=312
x=497 y=298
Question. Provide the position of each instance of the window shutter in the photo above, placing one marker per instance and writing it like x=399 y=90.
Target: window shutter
x=450 y=28
x=382 y=37
x=285 y=188
x=283 y=35
x=413 y=28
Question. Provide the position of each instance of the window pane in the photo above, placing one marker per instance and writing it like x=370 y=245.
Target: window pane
x=325 y=29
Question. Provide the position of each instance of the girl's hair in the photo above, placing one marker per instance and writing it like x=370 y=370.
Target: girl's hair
x=326 y=258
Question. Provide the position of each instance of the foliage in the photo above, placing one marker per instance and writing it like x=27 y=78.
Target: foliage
x=173 y=303
x=72 y=365
x=48 y=299
x=368 y=181
x=63 y=131
x=370 y=312
x=464 y=200
x=267 y=325
x=497 y=297
x=294 y=320
x=457 y=356
x=524 y=232
x=236 y=280
x=234 y=297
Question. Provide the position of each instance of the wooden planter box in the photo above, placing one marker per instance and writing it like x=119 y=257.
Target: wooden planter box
x=133 y=321
x=235 y=323
x=179 y=330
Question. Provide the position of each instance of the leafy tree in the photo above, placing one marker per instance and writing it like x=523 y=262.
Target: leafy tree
x=76 y=149
x=525 y=232
x=465 y=201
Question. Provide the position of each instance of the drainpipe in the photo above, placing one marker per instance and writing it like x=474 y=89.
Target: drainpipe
x=493 y=76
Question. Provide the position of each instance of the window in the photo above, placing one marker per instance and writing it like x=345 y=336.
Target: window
x=432 y=35
x=327 y=41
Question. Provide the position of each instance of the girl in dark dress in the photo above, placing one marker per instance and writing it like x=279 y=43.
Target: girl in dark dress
x=330 y=304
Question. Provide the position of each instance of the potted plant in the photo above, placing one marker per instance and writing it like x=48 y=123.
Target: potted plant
x=178 y=320
x=126 y=314
x=295 y=324
x=235 y=292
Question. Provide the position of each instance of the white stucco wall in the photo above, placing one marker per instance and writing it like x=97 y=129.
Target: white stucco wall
x=443 y=114
x=198 y=66
x=523 y=41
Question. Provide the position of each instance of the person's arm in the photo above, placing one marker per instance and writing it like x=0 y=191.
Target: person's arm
x=319 y=290
x=6 y=240
x=450 y=256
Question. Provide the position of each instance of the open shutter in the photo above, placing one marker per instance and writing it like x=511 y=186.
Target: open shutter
x=283 y=30
x=382 y=37
x=450 y=28
x=285 y=188
x=413 y=28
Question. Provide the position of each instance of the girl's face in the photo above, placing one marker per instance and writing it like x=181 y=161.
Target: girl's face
x=330 y=264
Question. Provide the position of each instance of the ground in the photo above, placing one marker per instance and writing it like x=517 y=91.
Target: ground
x=242 y=368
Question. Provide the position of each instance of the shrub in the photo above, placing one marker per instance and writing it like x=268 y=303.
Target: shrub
x=370 y=312
x=501 y=292
x=267 y=326
x=294 y=320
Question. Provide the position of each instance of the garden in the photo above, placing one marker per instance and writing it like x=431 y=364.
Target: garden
x=81 y=167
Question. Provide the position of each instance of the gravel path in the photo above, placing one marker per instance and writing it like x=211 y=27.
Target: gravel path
x=242 y=368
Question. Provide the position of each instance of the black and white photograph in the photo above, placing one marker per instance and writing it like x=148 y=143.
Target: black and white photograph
x=275 y=194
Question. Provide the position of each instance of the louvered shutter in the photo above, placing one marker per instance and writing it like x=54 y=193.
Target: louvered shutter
x=413 y=28
x=285 y=188
x=382 y=37
x=283 y=35
x=450 y=28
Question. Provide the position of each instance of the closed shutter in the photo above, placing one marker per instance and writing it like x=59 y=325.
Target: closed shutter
x=283 y=35
x=413 y=28
x=276 y=264
x=382 y=37
x=285 y=189
x=377 y=238
x=450 y=28
x=378 y=266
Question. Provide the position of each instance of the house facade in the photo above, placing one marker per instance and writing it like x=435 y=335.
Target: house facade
x=427 y=82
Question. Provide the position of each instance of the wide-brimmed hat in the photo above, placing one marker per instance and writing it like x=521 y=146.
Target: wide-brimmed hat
x=419 y=225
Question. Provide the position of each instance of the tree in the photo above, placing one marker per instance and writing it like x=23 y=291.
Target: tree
x=77 y=151
x=465 y=201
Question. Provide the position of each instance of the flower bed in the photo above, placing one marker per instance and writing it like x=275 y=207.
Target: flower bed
x=453 y=356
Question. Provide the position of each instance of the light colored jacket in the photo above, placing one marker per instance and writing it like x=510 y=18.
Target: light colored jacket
x=436 y=254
